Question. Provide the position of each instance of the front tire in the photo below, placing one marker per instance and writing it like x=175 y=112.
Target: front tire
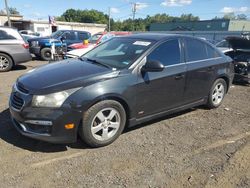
x=46 y=54
x=6 y=63
x=217 y=93
x=103 y=123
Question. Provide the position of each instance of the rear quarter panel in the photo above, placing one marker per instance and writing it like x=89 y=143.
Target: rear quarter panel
x=15 y=50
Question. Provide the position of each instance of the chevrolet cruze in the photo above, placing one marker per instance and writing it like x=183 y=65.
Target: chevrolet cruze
x=123 y=82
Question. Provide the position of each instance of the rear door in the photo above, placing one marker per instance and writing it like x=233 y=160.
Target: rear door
x=161 y=91
x=202 y=63
x=83 y=36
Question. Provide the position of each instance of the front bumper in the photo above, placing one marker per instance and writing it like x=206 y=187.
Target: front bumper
x=55 y=132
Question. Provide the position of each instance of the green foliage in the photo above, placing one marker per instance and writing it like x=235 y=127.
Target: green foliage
x=12 y=10
x=139 y=24
x=84 y=16
x=232 y=16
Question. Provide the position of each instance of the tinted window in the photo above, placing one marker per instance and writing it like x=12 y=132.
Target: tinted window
x=5 y=36
x=211 y=52
x=196 y=50
x=83 y=36
x=70 y=35
x=167 y=53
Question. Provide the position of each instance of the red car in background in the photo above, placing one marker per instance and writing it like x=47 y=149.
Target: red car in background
x=96 y=39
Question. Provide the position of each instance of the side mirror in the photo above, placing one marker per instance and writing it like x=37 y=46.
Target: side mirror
x=152 y=66
x=63 y=38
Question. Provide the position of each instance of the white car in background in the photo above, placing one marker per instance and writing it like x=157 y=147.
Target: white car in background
x=79 y=52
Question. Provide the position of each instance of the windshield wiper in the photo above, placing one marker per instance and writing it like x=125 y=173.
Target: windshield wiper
x=95 y=62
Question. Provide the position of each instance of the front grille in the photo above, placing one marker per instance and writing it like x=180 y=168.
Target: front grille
x=21 y=88
x=17 y=102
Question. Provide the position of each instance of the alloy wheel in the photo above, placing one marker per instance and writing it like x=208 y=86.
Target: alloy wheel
x=4 y=63
x=105 y=124
x=218 y=93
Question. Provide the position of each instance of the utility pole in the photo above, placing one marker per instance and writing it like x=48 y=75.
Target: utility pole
x=134 y=9
x=8 y=12
x=109 y=19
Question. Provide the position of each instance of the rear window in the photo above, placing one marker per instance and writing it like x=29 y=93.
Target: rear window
x=6 y=36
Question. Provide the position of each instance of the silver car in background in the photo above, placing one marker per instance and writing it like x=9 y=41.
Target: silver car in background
x=13 y=49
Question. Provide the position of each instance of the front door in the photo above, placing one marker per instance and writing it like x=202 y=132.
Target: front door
x=161 y=91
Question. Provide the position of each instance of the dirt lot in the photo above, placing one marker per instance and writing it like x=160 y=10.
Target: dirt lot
x=194 y=148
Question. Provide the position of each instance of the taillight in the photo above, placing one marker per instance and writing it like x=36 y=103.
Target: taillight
x=25 y=45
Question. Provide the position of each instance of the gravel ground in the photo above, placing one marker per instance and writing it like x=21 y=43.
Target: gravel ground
x=194 y=148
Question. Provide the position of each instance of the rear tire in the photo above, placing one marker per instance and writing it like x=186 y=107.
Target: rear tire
x=102 y=123
x=217 y=93
x=6 y=63
x=46 y=54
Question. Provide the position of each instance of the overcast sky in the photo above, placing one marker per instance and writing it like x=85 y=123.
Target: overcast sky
x=121 y=9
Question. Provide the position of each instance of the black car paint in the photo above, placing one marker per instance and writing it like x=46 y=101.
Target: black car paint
x=143 y=95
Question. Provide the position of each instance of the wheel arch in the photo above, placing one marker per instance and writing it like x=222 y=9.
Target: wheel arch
x=116 y=98
x=224 y=77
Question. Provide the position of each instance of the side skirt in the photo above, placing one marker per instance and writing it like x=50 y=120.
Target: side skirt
x=134 y=121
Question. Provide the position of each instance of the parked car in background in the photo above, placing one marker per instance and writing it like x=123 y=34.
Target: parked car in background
x=13 y=49
x=124 y=81
x=238 y=48
x=41 y=46
x=29 y=32
x=223 y=46
x=97 y=39
x=27 y=37
x=82 y=48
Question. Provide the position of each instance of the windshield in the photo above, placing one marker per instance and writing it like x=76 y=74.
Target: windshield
x=95 y=38
x=119 y=52
x=56 y=34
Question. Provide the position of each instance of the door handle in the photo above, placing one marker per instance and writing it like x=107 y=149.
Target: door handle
x=179 y=76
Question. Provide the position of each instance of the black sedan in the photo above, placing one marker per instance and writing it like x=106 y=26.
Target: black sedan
x=123 y=82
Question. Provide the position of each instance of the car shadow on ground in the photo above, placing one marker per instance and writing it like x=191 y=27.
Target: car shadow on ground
x=238 y=83
x=19 y=67
x=9 y=134
x=166 y=117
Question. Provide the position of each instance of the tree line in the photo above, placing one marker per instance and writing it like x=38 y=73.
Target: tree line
x=139 y=24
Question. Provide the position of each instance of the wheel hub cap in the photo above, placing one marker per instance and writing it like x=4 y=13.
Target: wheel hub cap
x=218 y=93
x=4 y=63
x=105 y=124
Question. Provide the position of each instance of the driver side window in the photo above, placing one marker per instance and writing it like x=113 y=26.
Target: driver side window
x=69 y=36
x=167 y=53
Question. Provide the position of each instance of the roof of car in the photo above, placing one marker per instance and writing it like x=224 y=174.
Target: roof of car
x=154 y=36
x=73 y=30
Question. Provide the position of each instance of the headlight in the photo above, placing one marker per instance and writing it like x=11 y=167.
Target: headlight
x=52 y=100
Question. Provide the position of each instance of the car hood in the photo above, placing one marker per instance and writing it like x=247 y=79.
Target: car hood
x=64 y=75
x=239 y=43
